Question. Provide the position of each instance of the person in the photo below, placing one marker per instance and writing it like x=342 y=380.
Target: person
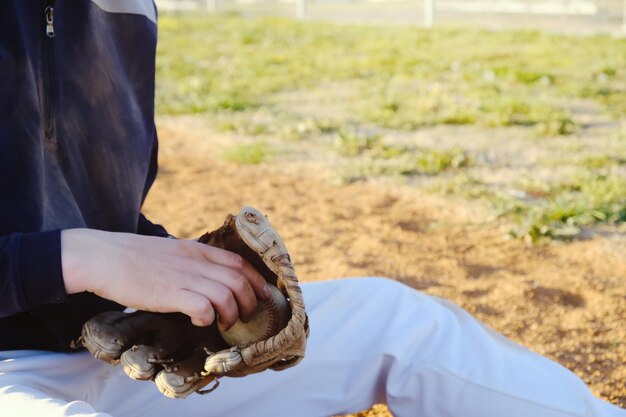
x=78 y=154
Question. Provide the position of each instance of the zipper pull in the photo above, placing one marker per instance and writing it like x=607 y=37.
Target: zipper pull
x=49 y=13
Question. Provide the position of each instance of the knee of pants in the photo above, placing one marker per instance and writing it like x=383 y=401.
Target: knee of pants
x=385 y=294
x=375 y=288
x=393 y=311
x=373 y=305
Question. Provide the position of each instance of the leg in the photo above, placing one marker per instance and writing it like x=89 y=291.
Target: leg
x=372 y=340
x=377 y=340
x=34 y=383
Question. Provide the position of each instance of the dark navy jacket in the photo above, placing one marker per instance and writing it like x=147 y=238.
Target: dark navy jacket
x=77 y=149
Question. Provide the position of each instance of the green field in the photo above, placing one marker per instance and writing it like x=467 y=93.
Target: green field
x=529 y=124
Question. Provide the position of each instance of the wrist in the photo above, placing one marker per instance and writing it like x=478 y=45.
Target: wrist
x=71 y=261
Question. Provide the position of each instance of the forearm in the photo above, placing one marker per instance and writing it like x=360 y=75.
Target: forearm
x=162 y=275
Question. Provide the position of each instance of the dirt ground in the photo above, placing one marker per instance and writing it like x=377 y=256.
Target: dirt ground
x=567 y=301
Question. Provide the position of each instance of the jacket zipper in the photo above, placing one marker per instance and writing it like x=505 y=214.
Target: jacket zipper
x=49 y=14
x=49 y=72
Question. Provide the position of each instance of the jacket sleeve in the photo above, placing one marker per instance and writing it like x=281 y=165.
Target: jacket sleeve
x=146 y=227
x=30 y=271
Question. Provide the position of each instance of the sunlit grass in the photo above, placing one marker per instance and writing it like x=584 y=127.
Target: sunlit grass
x=352 y=85
x=552 y=210
x=251 y=153
x=402 y=77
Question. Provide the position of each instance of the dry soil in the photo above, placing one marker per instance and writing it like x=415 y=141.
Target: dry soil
x=567 y=301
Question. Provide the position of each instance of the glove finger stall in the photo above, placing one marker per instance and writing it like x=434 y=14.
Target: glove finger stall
x=141 y=362
x=102 y=338
x=184 y=378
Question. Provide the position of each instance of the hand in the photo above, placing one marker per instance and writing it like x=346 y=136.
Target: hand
x=162 y=275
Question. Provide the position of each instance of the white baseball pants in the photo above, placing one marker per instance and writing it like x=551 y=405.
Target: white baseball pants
x=372 y=340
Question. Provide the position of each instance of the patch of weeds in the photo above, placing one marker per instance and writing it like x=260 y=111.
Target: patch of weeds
x=459 y=117
x=547 y=222
x=521 y=74
x=408 y=163
x=234 y=102
x=546 y=119
x=408 y=105
x=556 y=124
x=610 y=94
x=351 y=142
x=462 y=185
x=307 y=128
x=432 y=162
x=532 y=77
x=298 y=131
x=549 y=211
x=326 y=126
x=251 y=153
x=535 y=188
x=509 y=112
x=587 y=199
x=387 y=151
x=244 y=127
x=601 y=161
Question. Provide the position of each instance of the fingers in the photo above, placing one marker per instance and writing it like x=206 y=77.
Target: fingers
x=235 y=281
x=167 y=275
x=236 y=262
x=218 y=284
x=203 y=309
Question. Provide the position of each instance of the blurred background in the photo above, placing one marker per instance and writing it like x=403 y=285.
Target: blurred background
x=472 y=149
x=588 y=16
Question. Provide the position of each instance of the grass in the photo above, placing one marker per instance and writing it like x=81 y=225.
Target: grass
x=405 y=163
x=249 y=154
x=352 y=85
x=590 y=197
x=353 y=143
x=557 y=210
x=402 y=77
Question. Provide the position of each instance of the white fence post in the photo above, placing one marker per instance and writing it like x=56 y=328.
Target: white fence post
x=211 y=6
x=429 y=13
x=301 y=9
x=624 y=17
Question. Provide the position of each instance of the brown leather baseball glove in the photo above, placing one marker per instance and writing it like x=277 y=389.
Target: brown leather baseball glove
x=182 y=358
